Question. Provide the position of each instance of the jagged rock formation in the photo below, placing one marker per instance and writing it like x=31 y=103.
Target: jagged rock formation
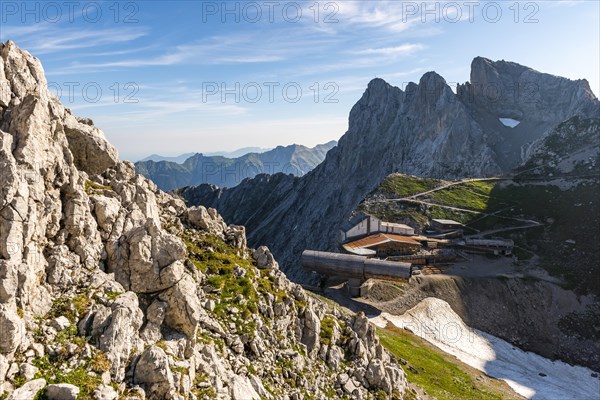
x=111 y=285
x=425 y=130
x=570 y=149
x=228 y=172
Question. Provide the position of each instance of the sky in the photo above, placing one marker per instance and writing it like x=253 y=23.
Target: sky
x=172 y=77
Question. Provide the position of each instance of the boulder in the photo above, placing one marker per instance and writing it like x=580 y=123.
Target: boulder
x=208 y=220
x=375 y=373
x=155 y=315
x=106 y=392
x=91 y=151
x=62 y=391
x=28 y=371
x=106 y=210
x=183 y=309
x=312 y=331
x=60 y=323
x=264 y=258
x=151 y=259
x=153 y=373
x=241 y=389
x=28 y=391
x=121 y=334
x=12 y=329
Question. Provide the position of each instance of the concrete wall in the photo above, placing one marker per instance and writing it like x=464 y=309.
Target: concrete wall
x=364 y=227
x=397 y=230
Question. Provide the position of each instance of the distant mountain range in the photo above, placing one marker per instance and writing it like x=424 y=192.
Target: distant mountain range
x=489 y=127
x=229 y=154
x=228 y=171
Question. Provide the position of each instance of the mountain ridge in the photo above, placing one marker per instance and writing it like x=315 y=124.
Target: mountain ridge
x=426 y=130
x=221 y=171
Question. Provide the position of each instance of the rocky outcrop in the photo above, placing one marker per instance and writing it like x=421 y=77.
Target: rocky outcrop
x=111 y=285
x=424 y=130
x=572 y=148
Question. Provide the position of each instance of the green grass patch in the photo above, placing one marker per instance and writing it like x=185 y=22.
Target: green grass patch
x=327 y=327
x=405 y=185
x=438 y=373
x=112 y=296
x=219 y=262
x=92 y=187
x=472 y=196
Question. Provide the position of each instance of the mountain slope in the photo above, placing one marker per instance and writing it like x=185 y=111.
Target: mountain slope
x=111 y=288
x=546 y=299
x=228 y=172
x=176 y=159
x=426 y=130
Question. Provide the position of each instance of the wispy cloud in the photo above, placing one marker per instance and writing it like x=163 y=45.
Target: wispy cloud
x=45 y=38
x=404 y=49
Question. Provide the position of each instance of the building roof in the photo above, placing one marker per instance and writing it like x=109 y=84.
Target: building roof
x=377 y=239
x=446 y=221
x=490 y=242
x=395 y=225
x=360 y=251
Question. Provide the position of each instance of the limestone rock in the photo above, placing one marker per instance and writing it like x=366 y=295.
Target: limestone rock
x=105 y=392
x=207 y=220
x=60 y=323
x=153 y=372
x=183 y=309
x=91 y=152
x=264 y=258
x=242 y=389
x=121 y=336
x=311 y=332
x=151 y=259
x=12 y=328
x=62 y=391
x=28 y=391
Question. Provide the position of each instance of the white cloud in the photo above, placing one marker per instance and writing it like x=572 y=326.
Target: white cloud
x=404 y=49
x=48 y=38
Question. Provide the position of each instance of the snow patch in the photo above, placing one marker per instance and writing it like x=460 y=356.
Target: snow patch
x=434 y=320
x=511 y=123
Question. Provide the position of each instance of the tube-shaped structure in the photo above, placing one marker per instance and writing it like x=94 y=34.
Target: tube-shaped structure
x=354 y=267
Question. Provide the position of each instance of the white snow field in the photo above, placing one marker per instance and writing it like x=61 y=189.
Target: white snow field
x=511 y=123
x=528 y=374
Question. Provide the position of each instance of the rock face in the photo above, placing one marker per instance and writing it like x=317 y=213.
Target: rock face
x=296 y=159
x=572 y=148
x=114 y=286
x=425 y=130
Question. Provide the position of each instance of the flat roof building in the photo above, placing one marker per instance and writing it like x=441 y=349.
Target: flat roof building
x=383 y=245
x=445 y=225
x=364 y=224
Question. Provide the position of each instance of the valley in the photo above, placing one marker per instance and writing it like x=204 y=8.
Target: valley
x=541 y=209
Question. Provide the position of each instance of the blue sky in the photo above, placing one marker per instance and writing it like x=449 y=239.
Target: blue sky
x=151 y=73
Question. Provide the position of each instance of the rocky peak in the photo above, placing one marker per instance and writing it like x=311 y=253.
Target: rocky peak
x=426 y=131
x=509 y=89
x=34 y=117
x=111 y=288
